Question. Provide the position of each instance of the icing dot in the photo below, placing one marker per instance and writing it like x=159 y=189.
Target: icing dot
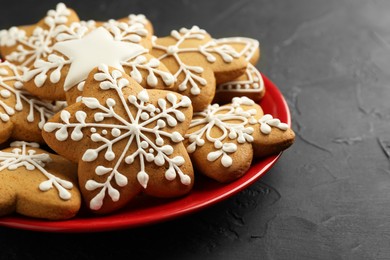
x=158 y=110
x=3 y=72
x=93 y=129
x=151 y=150
x=144 y=116
x=104 y=132
x=144 y=144
x=5 y=93
x=18 y=85
x=172 y=49
x=159 y=141
x=115 y=132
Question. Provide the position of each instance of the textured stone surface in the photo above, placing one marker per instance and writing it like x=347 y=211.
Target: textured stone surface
x=328 y=197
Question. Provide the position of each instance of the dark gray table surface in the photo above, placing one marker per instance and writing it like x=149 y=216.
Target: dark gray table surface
x=328 y=197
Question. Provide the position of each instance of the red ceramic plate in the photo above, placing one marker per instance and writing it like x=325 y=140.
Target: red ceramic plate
x=150 y=210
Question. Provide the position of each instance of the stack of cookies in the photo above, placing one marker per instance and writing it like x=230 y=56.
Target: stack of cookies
x=118 y=112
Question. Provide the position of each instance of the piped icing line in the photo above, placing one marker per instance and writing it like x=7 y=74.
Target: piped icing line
x=23 y=156
x=254 y=82
x=192 y=74
x=44 y=109
x=87 y=50
x=136 y=129
x=39 y=44
x=234 y=123
x=49 y=49
x=126 y=31
x=250 y=45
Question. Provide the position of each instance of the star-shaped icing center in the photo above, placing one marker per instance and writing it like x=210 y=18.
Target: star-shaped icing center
x=97 y=47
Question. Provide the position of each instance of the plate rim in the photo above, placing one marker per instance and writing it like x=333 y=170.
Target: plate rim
x=106 y=223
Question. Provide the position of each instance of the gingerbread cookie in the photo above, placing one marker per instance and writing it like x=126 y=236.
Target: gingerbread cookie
x=222 y=140
x=125 y=139
x=198 y=63
x=24 y=45
x=22 y=116
x=73 y=49
x=36 y=183
x=251 y=83
x=135 y=28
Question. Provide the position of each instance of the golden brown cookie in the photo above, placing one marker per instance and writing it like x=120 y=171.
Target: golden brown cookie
x=22 y=116
x=135 y=28
x=198 y=63
x=222 y=140
x=251 y=83
x=24 y=45
x=63 y=51
x=36 y=183
x=125 y=139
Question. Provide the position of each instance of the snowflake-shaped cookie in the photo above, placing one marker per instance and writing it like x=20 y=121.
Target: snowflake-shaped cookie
x=222 y=140
x=21 y=115
x=198 y=63
x=126 y=139
x=251 y=83
x=39 y=183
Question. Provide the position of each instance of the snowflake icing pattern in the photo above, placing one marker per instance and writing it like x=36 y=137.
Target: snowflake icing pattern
x=121 y=32
x=40 y=43
x=21 y=156
x=136 y=129
x=192 y=73
x=9 y=73
x=234 y=122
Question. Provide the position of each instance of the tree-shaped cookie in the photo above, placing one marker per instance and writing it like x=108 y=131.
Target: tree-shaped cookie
x=125 y=139
x=222 y=140
x=251 y=83
x=198 y=63
x=36 y=183
x=22 y=116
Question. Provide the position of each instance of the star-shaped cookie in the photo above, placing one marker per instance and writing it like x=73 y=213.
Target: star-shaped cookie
x=67 y=50
x=125 y=140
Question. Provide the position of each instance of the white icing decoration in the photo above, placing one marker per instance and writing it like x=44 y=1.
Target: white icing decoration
x=250 y=45
x=254 y=81
x=137 y=129
x=21 y=96
x=21 y=156
x=90 y=51
x=137 y=18
x=87 y=51
x=192 y=74
x=253 y=84
x=267 y=121
x=127 y=32
x=234 y=123
x=39 y=44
